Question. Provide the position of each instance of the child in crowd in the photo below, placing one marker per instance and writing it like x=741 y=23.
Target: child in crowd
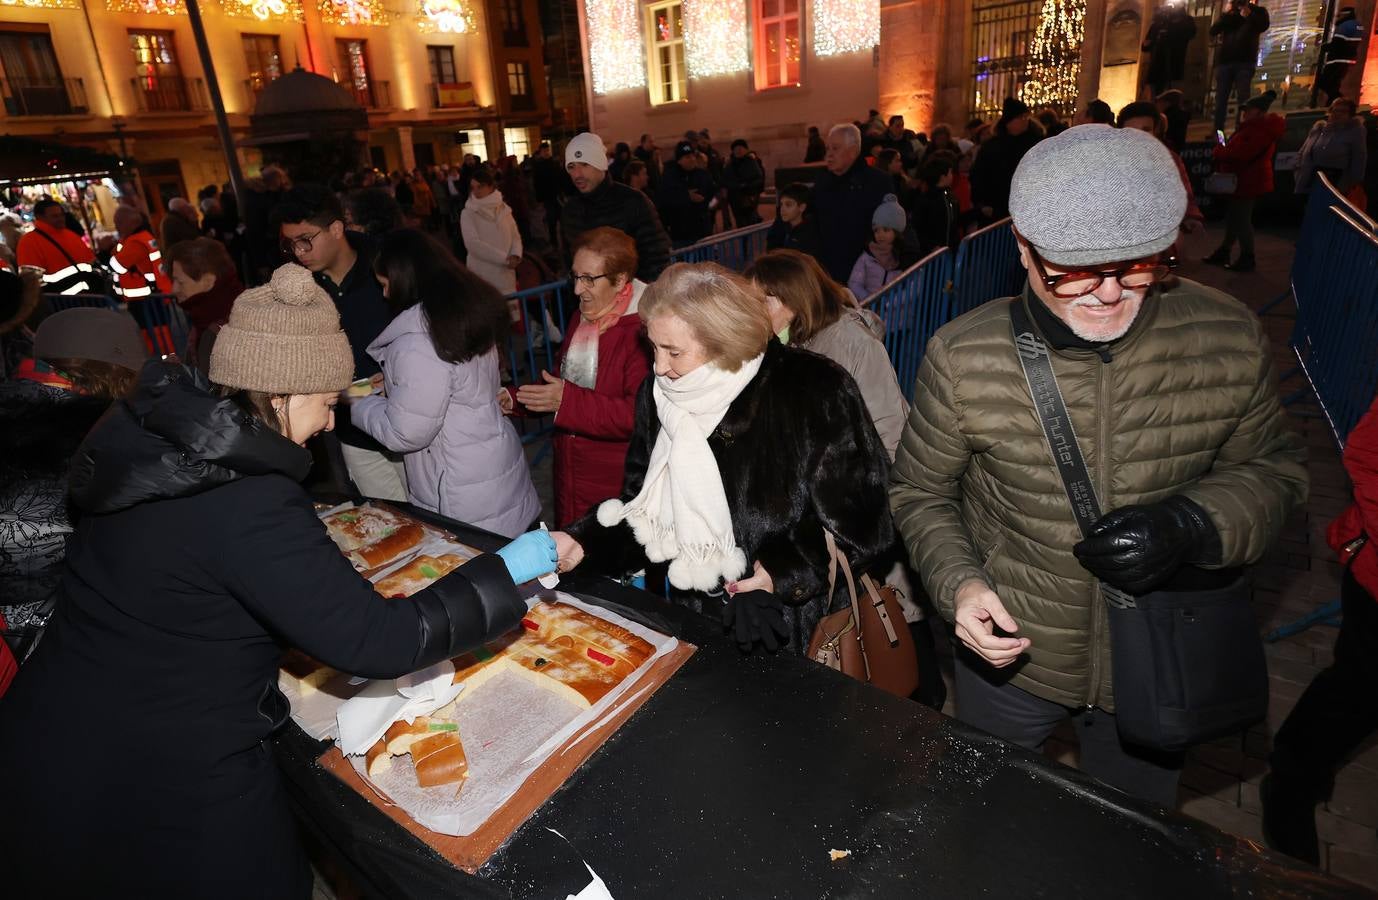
x=879 y=263
x=933 y=208
x=794 y=227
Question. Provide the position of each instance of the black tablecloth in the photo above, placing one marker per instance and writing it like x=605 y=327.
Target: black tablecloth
x=739 y=776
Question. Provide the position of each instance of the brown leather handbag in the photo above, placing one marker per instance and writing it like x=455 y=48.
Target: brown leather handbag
x=879 y=650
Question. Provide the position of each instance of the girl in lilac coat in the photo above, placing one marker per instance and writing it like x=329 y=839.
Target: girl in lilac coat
x=440 y=376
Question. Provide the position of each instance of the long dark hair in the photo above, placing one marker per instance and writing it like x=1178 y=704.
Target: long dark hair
x=466 y=315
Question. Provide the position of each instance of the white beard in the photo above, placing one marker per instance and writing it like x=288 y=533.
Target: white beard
x=1104 y=334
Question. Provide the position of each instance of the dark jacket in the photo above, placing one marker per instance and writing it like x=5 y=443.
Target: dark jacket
x=933 y=214
x=816 y=150
x=364 y=314
x=686 y=219
x=197 y=559
x=802 y=237
x=206 y=312
x=993 y=171
x=1239 y=35
x=745 y=176
x=842 y=206
x=797 y=453
x=626 y=209
x=1166 y=43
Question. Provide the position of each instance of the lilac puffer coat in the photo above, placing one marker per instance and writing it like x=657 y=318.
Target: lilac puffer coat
x=462 y=456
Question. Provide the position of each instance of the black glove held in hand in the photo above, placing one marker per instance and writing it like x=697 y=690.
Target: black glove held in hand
x=1138 y=548
x=756 y=616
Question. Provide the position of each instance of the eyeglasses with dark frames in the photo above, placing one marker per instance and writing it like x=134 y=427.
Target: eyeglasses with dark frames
x=1137 y=275
x=588 y=281
x=298 y=245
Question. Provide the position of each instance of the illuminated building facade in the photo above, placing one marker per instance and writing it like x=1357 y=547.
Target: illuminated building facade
x=125 y=76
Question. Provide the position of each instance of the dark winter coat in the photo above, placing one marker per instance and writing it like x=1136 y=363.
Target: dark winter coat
x=934 y=216
x=1166 y=43
x=993 y=171
x=802 y=237
x=1249 y=154
x=593 y=427
x=842 y=206
x=797 y=453
x=629 y=211
x=744 y=177
x=198 y=557
x=1239 y=36
x=686 y=219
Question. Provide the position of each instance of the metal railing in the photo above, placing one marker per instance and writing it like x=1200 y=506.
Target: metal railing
x=732 y=249
x=163 y=324
x=913 y=307
x=170 y=94
x=1335 y=285
x=939 y=288
x=23 y=96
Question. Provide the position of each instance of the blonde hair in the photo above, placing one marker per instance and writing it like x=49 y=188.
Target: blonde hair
x=726 y=313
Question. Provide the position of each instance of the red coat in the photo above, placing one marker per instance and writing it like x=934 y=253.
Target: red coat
x=593 y=427
x=1361 y=461
x=1249 y=154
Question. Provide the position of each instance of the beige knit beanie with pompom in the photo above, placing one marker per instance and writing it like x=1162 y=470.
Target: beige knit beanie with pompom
x=283 y=338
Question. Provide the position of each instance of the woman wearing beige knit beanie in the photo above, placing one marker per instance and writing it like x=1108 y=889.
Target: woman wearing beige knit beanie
x=197 y=559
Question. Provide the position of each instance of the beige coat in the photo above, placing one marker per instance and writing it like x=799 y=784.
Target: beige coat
x=853 y=342
x=1188 y=405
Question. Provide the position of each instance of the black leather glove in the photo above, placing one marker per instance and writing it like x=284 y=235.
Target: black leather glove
x=1138 y=548
x=756 y=616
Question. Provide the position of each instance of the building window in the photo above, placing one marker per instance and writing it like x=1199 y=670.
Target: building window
x=519 y=85
x=31 y=83
x=1000 y=33
x=353 y=71
x=264 y=60
x=158 y=78
x=665 y=25
x=776 y=43
x=477 y=144
x=442 y=64
x=513 y=23
x=517 y=141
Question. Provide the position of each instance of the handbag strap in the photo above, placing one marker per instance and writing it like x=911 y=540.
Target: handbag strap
x=837 y=559
x=1059 y=433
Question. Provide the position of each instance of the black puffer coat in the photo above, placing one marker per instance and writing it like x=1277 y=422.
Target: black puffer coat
x=797 y=453
x=626 y=209
x=139 y=722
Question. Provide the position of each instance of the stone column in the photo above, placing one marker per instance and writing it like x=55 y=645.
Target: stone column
x=408 y=152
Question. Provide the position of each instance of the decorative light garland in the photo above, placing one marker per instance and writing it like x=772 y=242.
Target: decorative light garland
x=1050 y=75
x=263 y=10
x=446 y=16
x=43 y=4
x=715 y=37
x=149 y=7
x=616 y=56
x=845 y=26
x=353 y=12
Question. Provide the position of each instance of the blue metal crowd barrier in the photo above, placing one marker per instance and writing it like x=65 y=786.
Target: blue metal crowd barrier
x=986 y=267
x=732 y=249
x=1335 y=285
x=913 y=306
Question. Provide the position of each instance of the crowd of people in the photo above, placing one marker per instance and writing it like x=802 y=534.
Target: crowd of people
x=712 y=429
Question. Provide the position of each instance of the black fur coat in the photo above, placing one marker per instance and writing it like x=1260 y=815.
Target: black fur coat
x=798 y=454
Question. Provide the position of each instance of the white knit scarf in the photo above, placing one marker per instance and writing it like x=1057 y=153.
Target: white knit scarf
x=681 y=514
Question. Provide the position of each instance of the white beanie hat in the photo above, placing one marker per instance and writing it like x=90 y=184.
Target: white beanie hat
x=587 y=148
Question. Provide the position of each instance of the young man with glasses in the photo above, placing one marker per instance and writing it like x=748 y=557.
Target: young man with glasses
x=311 y=228
x=1170 y=391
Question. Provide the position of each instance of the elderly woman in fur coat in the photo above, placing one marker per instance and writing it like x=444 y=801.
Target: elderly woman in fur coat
x=744 y=452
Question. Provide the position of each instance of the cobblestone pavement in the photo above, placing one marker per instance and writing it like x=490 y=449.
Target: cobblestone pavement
x=1220 y=782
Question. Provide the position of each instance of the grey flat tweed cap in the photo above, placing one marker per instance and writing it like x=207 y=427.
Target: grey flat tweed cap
x=1096 y=194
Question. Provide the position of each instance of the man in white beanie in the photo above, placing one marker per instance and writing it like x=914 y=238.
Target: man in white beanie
x=1170 y=395
x=601 y=200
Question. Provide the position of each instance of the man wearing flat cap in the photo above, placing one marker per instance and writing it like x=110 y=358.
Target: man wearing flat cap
x=1169 y=387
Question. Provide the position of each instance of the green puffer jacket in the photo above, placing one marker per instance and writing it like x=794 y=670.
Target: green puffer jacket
x=1187 y=405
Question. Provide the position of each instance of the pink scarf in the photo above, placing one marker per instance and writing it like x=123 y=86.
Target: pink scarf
x=581 y=359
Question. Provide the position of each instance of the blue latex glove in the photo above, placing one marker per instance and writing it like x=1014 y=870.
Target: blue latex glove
x=530 y=556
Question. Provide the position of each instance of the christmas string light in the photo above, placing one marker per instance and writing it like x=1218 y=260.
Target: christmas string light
x=715 y=37
x=616 y=57
x=446 y=16
x=263 y=10
x=43 y=4
x=845 y=26
x=149 y=7
x=1050 y=75
x=353 y=12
